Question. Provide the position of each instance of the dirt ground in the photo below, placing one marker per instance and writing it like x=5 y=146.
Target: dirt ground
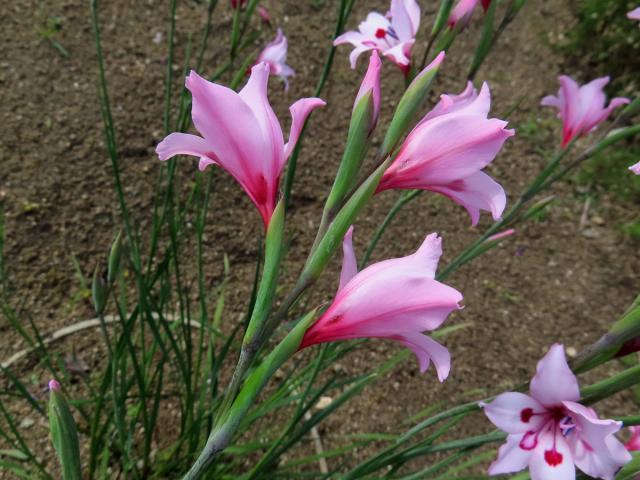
x=555 y=281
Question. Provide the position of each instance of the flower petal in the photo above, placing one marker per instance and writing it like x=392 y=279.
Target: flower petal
x=596 y=451
x=552 y=459
x=254 y=95
x=427 y=349
x=183 y=144
x=405 y=18
x=349 y=262
x=300 y=110
x=515 y=412
x=554 y=382
x=476 y=192
x=511 y=458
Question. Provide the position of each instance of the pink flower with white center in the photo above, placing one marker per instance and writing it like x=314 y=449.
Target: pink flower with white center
x=392 y=35
x=461 y=13
x=633 y=444
x=634 y=14
x=275 y=56
x=581 y=108
x=635 y=168
x=241 y=134
x=447 y=150
x=550 y=432
x=396 y=299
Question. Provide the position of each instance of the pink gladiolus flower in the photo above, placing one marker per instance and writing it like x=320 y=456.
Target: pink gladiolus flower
x=634 y=14
x=635 y=168
x=371 y=83
x=275 y=56
x=633 y=444
x=461 y=13
x=397 y=299
x=241 y=134
x=581 y=108
x=392 y=35
x=550 y=432
x=446 y=151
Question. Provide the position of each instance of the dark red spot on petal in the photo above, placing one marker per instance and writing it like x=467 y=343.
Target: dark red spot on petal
x=526 y=414
x=333 y=320
x=552 y=457
x=381 y=33
x=261 y=190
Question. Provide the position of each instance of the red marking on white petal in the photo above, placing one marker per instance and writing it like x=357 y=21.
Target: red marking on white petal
x=529 y=440
x=553 y=458
x=381 y=33
x=526 y=414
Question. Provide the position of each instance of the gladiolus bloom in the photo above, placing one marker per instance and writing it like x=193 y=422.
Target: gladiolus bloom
x=241 y=134
x=392 y=35
x=581 y=108
x=550 y=432
x=635 y=168
x=371 y=83
x=634 y=14
x=461 y=13
x=275 y=56
x=446 y=151
x=397 y=299
x=633 y=444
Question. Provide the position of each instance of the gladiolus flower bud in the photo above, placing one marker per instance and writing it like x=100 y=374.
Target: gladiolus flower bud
x=64 y=433
x=238 y=3
x=99 y=291
x=54 y=385
x=371 y=84
x=115 y=258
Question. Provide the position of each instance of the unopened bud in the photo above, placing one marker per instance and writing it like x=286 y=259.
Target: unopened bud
x=115 y=257
x=99 y=291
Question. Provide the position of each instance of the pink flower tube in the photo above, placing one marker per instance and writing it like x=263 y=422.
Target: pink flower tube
x=392 y=35
x=396 y=299
x=461 y=13
x=447 y=150
x=550 y=432
x=581 y=108
x=275 y=55
x=241 y=134
x=633 y=444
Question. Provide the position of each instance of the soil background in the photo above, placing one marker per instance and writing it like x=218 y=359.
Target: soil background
x=556 y=280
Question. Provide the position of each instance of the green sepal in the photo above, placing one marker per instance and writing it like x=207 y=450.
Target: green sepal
x=358 y=141
x=64 y=436
x=99 y=291
x=407 y=109
x=441 y=17
x=261 y=375
x=266 y=291
x=332 y=239
x=115 y=257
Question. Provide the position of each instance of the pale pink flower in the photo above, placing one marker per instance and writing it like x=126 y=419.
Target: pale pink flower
x=371 y=83
x=396 y=299
x=447 y=150
x=241 y=134
x=461 y=13
x=633 y=444
x=550 y=432
x=275 y=56
x=635 y=168
x=581 y=108
x=392 y=35
x=634 y=14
